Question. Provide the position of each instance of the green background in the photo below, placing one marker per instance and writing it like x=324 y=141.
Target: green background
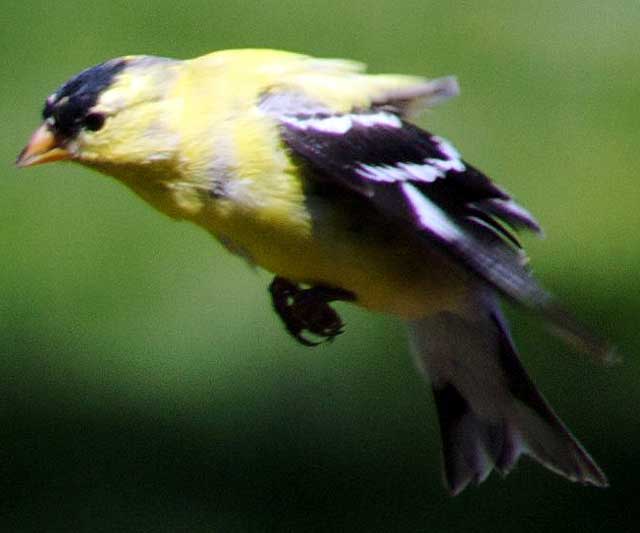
x=146 y=385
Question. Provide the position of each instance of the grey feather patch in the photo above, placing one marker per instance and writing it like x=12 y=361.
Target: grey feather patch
x=490 y=411
x=409 y=101
x=280 y=101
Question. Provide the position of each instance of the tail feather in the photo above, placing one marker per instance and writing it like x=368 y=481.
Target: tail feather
x=472 y=447
x=489 y=410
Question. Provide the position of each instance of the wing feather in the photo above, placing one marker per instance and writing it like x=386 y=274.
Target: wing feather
x=409 y=174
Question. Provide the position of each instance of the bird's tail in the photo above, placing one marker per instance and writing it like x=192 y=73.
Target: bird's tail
x=489 y=410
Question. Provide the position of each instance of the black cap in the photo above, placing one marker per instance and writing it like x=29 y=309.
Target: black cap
x=71 y=103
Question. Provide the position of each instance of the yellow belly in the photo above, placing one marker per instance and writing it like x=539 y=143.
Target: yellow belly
x=280 y=221
x=344 y=243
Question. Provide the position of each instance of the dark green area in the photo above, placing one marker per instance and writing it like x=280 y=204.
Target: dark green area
x=145 y=383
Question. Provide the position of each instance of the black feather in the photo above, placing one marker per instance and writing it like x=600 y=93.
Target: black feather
x=70 y=104
x=410 y=174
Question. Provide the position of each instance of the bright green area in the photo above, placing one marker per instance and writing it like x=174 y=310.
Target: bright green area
x=146 y=384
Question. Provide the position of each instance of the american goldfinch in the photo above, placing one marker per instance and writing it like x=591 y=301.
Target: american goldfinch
x=311 y=169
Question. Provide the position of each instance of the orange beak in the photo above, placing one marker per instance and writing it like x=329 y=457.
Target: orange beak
x=43 y=147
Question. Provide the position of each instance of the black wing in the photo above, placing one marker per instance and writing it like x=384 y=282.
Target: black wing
x=408 y=173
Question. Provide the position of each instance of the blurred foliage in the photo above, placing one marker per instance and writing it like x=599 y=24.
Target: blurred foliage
x=146 y=384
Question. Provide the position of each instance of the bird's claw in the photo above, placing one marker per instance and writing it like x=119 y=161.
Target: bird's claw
x=308 y=310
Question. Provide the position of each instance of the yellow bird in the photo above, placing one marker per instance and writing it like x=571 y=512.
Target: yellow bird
x=311 y=169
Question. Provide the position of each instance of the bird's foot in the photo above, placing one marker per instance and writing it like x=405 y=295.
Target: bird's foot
x=308 y=310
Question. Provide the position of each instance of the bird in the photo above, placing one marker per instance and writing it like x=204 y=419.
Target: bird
x=315 y=171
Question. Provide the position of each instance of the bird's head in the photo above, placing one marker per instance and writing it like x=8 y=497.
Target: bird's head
x=112 y=115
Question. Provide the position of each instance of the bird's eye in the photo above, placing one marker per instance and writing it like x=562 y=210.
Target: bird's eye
x=94 y=121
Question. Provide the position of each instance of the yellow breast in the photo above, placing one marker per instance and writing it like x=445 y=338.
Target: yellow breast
x=233 y=177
